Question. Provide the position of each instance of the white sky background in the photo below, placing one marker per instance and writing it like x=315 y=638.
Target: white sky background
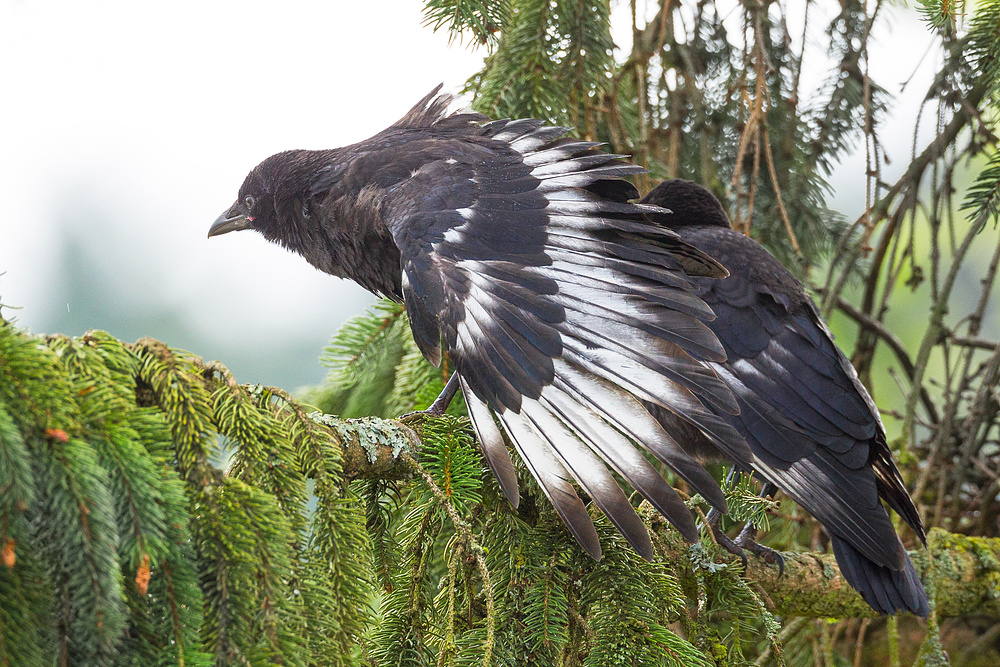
x=129 y=126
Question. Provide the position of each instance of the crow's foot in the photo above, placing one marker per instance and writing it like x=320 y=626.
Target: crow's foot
x=745 y=540
x=728 y=544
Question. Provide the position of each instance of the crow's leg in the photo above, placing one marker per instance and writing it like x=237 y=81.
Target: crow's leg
x=446 y=396
x=443 y=400
x=723 y=540
x=745 y=539
x=713 y=516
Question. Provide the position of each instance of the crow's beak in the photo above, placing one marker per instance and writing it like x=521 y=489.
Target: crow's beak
x=232 y=220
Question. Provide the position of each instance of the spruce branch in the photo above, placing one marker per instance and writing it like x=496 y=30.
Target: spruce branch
x=471 y=544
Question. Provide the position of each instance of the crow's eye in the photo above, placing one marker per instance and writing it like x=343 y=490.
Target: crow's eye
x=248 y=202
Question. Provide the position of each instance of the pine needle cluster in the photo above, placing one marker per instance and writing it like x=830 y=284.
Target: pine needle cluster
x=377 y=370
x=982 y=201
x=123 y=542
x=156 y=512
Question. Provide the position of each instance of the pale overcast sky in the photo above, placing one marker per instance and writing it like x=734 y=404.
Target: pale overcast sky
x=127 y=127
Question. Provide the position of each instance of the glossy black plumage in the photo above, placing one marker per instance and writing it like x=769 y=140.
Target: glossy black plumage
x=565 y=309
x=814 y=430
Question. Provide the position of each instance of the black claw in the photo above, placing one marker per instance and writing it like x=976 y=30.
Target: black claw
x=729 y=545
x=746 y=541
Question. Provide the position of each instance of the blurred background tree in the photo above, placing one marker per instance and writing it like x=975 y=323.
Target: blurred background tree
x=124 y=542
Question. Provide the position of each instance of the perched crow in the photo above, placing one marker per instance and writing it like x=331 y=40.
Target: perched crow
x=814 y=430
x=564 y=309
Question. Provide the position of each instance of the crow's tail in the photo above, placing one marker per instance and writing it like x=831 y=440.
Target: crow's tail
x=887 y=590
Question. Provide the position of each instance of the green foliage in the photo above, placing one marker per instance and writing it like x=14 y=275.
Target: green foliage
x=71 y=528
x=984 y=45
x=483 y=19
x=982 y=201
x=983 y=198
x=338 y=581
x=451 y=456
x=746 y=505
x=123 y=544
x=362 y=357
x=553 y=61
x=941 y=13
x=630 y=603
x=546 y=606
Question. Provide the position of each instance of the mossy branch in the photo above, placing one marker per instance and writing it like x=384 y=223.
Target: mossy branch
x=967 y=577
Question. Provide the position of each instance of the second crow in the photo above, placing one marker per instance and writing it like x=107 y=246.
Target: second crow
x=814 y=430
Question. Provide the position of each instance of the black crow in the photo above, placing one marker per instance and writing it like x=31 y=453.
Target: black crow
x=814 y=430
x=563 y=307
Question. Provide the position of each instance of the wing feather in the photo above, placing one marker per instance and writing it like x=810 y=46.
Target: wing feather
x=494 y=444
x=617 y=450
x=536 y=452
x=591 y=474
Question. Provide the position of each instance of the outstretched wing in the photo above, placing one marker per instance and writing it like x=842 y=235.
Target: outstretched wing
x=562 y=308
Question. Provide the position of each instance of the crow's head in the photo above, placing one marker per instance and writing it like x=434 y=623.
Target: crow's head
x=268 y=197
x=254 y=207
x=691 y=204
x=298 y=200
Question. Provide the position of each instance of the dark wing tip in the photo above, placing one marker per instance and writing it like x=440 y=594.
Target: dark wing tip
x=644 y=549
x=580 y=526
x=593 y=548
